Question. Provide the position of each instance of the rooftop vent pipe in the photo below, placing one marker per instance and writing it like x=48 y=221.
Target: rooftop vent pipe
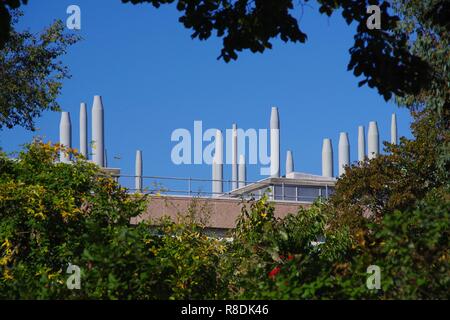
x=138 y=172
x=289 y=162
x=98 y=132
x=217 y=166
x=242 y=171
x=327 y=158
x=344 y=152
x=394 y=129
x=83 y=130
x=361 y=144
x=373 y=144
x=65 y=136
x=274 y=143
x=234 y=160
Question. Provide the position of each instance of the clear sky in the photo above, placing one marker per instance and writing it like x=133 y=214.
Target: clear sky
x=154 y=79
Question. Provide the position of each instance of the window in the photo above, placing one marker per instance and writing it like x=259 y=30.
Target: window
x=295 y=193
x=286 y=192
x=309 y=194
x=278 y=193
x=290 y=193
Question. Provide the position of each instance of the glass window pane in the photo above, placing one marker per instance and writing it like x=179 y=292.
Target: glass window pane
x=278 y=193
x=308 y=194
x=290 y=193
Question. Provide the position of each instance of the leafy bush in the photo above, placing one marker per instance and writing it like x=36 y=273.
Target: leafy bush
x=413 y=250
x=53 y=214
x=285 y=259
x=393 y=181
x=282 y=258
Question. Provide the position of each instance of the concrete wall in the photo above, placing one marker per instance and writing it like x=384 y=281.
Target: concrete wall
x=222 y=212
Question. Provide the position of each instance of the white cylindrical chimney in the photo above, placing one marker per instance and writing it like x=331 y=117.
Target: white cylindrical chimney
x=344 y=152
x=274 y=143
x=373 y=145
x=217 y=166
x=83 y=130
x=98 y=139
x=394 y=139
x=138 y=172
x=361 y=144
x=327 y=158
x=234 y=159
x=242 y=171
x=65 y=136
x=289 y=162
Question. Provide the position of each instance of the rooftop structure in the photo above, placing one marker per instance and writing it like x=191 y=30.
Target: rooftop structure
x=296 y=187
x=292 y=187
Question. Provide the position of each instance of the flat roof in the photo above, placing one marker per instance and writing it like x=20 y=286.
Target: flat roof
x=294 y=178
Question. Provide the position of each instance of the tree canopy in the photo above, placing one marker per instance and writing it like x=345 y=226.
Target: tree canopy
x=381 y=57
x=6 y=7
x=31 y=73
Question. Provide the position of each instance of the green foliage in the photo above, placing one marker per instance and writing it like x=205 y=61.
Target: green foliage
x=427 y=25
x=395 y=180
x=286 y=260
x=31 y=74
x=391 y=211
x=5 y=18
x=382 y=57
x=282 y=258
x=413 y=250
x=186 y=262
x=53 y=214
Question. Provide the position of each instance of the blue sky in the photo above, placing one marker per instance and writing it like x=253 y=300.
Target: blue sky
x=154 y=79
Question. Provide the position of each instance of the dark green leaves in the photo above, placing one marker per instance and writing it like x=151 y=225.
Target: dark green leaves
x=381 y=57
x=5 y=18
x=31 y=74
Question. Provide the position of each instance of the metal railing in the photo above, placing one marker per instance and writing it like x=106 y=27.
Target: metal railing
x=190 y=187
x=178 y=185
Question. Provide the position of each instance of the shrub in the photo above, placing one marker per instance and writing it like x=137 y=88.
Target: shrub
x=53 y=214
